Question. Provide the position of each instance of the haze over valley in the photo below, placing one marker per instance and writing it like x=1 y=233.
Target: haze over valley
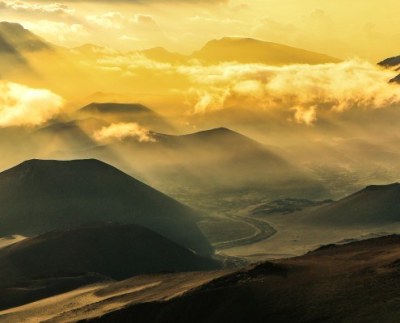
x=199 y=161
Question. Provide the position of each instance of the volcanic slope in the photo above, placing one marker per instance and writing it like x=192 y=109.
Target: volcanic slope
x=38 y=196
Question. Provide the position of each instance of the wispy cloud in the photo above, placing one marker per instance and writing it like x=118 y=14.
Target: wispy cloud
x=121 y=131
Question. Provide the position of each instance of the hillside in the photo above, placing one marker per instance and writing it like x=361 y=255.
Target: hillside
x=351 y=283
x=248 y=50
x=22 y=39
x=376 y=205
x=108 y=250
x=228 y=160
x=356 y=282
x=42 y=195
x=15 y=41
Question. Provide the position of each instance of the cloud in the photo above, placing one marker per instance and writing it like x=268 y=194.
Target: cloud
x=26 y=7
x=120 y=131
x=147 y=1
x=302 y=90
x=110 y=20
x=24 y=106
x=61 y=31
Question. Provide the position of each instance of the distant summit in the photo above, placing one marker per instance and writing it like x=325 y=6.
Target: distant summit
x=221 y=132
x=115 y=108
x=113 y=112
x=248 y=50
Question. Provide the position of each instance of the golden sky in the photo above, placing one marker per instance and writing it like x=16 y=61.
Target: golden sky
x=345 y=29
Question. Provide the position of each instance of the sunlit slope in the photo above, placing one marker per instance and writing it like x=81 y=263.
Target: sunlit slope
x=376 y=205
x=21 y=38
x=39 y=196
x=248 y=50
x=31 y=60
x=14 y=42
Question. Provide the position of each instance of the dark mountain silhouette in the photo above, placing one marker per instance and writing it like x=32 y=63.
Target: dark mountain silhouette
x=108 y=250
x=115 y=108
x=392 y=63
x=395 y=79
x=39 y=196
x=349 y=283
x=248 y=50
x=372 y=206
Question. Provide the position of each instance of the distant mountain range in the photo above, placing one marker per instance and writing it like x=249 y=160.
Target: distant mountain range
x=19 y=45
x=248 y=50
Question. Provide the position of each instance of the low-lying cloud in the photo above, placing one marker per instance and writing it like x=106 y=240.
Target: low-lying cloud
x=305 y=90
x=300 y=92
x=24 y=106
x=27 y=7
x=121 y=131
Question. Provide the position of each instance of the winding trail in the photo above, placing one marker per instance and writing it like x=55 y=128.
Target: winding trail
x=263 y=231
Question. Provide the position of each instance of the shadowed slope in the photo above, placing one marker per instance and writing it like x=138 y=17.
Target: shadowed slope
x=358 y=282
x=39 y=196
x=115 y=251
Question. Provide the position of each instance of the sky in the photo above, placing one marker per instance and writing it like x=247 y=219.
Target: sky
x=343 y=29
